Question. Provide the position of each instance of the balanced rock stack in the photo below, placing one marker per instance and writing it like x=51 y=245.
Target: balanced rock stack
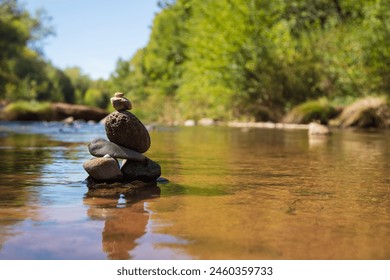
x=128 y=140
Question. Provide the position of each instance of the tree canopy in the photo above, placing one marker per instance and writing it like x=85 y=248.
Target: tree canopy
x=226 y=59
x=24 y=72
x=256 y=59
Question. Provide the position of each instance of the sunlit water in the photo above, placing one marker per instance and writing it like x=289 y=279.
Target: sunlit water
x=233 y=194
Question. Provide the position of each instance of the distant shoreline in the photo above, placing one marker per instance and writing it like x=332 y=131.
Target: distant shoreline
x=270 y=125
x=370 y=113
x=34 y=111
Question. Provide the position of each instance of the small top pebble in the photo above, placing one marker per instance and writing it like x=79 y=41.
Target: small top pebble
x=119 y=102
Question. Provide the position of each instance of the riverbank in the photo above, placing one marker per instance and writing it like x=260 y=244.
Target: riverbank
x=364 y=113
x=36 y=111
x=267 y=125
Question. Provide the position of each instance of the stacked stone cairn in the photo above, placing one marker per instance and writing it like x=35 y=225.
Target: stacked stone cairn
x=128 y=140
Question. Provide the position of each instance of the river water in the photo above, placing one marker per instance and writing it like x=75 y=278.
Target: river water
x=232 y=194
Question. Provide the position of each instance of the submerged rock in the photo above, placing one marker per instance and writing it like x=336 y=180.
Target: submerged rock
x=206 y=122
x=137 y=189
x=105 y=168
x=148 y=171
x=189 y=123
x=318 y=129
x=68 y=120
x=162 y=180
x=125 y=129
x=100 y=147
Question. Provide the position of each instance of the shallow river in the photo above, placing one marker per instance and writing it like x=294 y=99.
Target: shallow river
x=233 y=194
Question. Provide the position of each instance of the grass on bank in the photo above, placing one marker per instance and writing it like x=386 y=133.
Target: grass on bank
x=367 y=112
x=314 y=110
x=27 y=111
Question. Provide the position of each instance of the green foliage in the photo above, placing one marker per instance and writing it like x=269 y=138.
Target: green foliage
x=376 y=42
x=14 y=35
x=164 y=54
x=96 y=98
x=226 y=59
x=24 y=73
x=256 y=59
x=14 y=29
x=79 y=81
x=62 y=87
x=129 y=78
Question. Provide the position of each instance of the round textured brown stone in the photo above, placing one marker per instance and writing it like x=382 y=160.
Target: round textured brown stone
x=125 y=129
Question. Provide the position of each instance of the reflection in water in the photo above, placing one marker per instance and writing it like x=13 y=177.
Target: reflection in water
x=233 y=194
x=122 y=226
x=318 y=141
x=128 y=227
x=154 y=245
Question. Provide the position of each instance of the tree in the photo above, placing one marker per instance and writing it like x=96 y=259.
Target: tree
x=21 y=67
x=377 y=38
x=14 y=35
x=256 y=59
x=80 y=82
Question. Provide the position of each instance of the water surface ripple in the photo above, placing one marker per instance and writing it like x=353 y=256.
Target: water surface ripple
x=233 y=194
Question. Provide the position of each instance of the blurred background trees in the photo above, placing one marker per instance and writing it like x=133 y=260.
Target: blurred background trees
x=255 y=60
x=227 y=59
x=25 y=74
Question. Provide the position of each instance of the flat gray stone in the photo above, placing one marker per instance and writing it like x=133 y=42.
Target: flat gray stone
x=148 y=171
x=100 y=147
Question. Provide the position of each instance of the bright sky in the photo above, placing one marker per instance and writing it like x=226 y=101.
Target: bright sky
x=93 y=34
